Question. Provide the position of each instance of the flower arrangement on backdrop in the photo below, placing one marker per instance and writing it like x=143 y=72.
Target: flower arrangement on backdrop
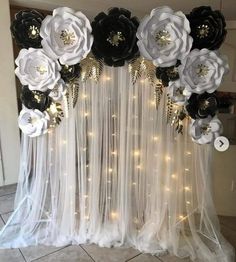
x=172 y=50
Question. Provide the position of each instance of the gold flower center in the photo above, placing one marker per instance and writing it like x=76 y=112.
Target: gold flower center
x=163 y=38
x=67 y=37
x=115 y=38
x=33 y=32
x=205 y=129
x=203 y=31
x=204 y=105
x=202 y=70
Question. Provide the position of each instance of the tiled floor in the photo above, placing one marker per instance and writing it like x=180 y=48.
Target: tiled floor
x=86 y=253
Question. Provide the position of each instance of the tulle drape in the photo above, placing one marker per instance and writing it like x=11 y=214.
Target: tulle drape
x=115 y=173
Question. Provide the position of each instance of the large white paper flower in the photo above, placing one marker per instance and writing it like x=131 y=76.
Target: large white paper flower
x=36 y=70
x=33 y=122
x=164 y=36
x=202 y=71
x=206 y=130
x=177 y=92
x=58 y=91
x=66 y=35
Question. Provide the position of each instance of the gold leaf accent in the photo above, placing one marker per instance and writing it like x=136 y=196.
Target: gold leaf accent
x=177 y=121
x=169 y=111
x=91 y=68
x=140 y=67
x=56 y=114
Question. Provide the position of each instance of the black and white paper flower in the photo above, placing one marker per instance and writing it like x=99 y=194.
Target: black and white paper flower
x=26 y=27
x=115 y=36
x=33 y=122
x=204 y=131
x=207 y=28
x=167 y=74
x=34 y=99
x=202 y=71
x=36 y=70
x=69 y=73
x=58 y=91
x=202 y=105
x=66 y=35
x=164 y=36
x=177 y=92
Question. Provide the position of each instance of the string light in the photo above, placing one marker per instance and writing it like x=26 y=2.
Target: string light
x=114 y=215
x=87 y=166
x=110 y=170
x=113 y=116
x=167 y=189
x=107 y=78
x=188 y=202
x=168 y=158
x=84 y=149
x=188 y=153
x=90 y=133
x=109 y=181
x=114 y=153
x=134 y=97
x=109 y=198
x=114 y=134
x=89 y=179
x=86 y=114
x=142 y=81
x=174 y=176
x=136 y=153
x=138 y=167
x=85 y=196
x=51 y=149
x=186 y=169
x=155 y=138
x=153 y=103
x=84 y=96
x=187 y=188
x=134 y=183
x=64 y=142
x=86 y=217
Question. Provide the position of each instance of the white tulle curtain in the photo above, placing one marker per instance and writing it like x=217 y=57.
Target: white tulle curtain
x=115 y=173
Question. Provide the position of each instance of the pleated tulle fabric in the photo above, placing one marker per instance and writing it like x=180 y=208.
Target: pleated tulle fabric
x=115 y=173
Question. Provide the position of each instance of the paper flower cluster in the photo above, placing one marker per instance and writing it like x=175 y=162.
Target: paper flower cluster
x=60 y=48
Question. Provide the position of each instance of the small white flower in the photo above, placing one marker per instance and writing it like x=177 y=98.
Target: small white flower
x=164 y=36
x=206 y=130
x=33 y=122
x=202 y=71
x=177 y=92
x=66 y=35
x=36 y=70
x=58 y=91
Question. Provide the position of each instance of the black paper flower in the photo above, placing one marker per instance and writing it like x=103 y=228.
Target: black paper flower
x=202 y=106
x=167 y=74
x=207 y=28
x=35 y=99
x=115 y=36
x=70 y=72
x=26 y=27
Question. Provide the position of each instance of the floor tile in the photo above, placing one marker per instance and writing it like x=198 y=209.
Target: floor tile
x=6 y=216
x=230 y=222
x=32 y=253
x=145 y=258
x=7 y=203
x=11 y=255
x=169 y=258
x=101 y=254
x=68 y=254
x=229 y=234
x=9 y=189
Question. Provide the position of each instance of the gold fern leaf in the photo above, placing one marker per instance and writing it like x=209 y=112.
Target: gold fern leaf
x=91 y=68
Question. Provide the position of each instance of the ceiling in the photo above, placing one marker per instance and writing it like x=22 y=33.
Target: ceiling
x=138 y=7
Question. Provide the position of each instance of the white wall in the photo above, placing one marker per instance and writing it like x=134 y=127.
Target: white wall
x=9 y=132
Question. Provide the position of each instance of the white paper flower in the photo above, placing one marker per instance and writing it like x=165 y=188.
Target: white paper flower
x=206 y=130
x=58 y=91
x=202 y=71
x=36 y=70
x=177 y=92
x=164 y=36
x=33 y=122
x=66 y=35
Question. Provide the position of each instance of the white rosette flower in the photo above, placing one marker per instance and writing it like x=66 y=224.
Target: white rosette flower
x=202 y=71
x=206 y=130
x=36 y=70
x=178 y=93
x=66 y=35
x=33 y=122
x=58 y=91
x=164 y=36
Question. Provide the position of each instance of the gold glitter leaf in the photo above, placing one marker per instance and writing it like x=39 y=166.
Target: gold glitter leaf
x=91 y=68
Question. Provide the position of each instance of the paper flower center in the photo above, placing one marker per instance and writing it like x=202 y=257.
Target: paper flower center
x=33 y=32
x=33 y=120
x=67 y=37
x=202 y=70
x=41 y=69
x=204 y=104
x=163 y=38
x=115 y=38
x=205 y=129
x=203 y=31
